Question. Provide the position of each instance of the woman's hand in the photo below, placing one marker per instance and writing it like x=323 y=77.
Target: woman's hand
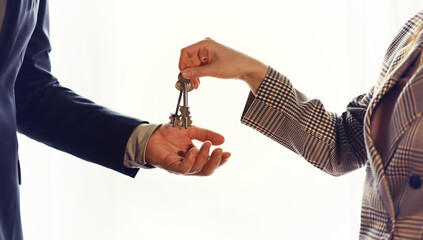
x=209 y=58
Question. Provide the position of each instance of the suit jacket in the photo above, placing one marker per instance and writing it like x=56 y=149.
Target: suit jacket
x=33 y=102
x=392 y=206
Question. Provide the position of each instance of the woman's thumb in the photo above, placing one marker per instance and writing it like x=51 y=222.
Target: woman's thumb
x=197 y=72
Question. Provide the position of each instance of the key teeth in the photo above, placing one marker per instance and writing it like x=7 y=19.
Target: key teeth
x=184 y=111
x=176 y=120
x=186 y=122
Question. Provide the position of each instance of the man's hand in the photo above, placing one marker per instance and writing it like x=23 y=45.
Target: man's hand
x=171 y=148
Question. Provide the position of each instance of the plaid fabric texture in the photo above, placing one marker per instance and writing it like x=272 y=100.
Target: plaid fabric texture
x=392 y=206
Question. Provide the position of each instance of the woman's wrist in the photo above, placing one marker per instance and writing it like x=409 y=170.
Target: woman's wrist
x=255 y=76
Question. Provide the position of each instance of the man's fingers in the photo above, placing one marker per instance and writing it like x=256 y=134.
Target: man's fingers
x=203 y=135
x=212 y=164
x=184 y=165
x=202 y=158
x=225 y=158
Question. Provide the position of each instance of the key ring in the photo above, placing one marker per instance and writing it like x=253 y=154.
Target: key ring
x=184 y=86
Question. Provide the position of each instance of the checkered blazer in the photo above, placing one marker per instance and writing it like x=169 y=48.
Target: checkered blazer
x=392 y=206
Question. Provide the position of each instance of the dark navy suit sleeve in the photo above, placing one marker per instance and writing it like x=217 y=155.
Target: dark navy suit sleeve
x=56 y=116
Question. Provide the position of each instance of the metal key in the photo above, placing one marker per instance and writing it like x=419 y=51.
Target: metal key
x=184 y=86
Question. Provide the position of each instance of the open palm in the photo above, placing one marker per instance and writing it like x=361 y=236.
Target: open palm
x=171 y=148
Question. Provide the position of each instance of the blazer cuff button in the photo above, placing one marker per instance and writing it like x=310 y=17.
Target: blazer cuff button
x=415 y=182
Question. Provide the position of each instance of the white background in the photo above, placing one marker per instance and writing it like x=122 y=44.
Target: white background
x=124 y=55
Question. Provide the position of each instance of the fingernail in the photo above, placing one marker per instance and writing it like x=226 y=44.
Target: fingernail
x=194 y=152
x=186 y=74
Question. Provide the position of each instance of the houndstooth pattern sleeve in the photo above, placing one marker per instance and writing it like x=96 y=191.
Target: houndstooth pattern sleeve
x=332 y=143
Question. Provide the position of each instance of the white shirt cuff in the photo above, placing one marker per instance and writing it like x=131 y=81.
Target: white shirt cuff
x=136 y=146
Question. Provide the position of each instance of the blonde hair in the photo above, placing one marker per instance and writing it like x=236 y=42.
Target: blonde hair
x=411 y=43
x=406 y=50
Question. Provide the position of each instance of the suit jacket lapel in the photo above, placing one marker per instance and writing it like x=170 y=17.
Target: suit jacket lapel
x=398 y=66
x=375 y=159
x=409 y=105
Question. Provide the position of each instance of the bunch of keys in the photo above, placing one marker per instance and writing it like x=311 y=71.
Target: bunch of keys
x=184 y=86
